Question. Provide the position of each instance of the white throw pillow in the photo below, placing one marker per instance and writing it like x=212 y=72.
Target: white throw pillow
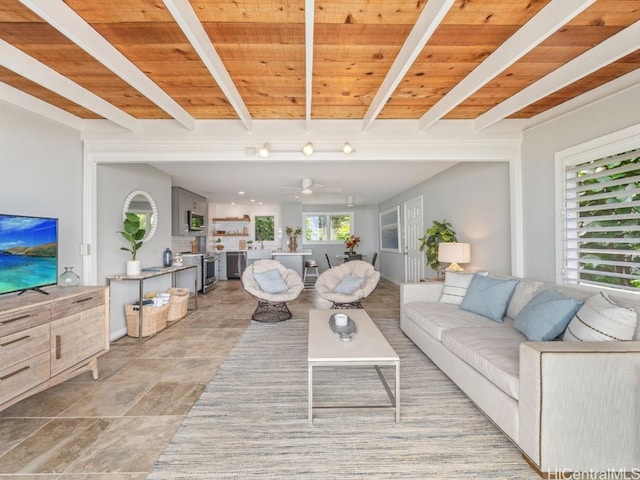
x=601 y=319
x=455 y=287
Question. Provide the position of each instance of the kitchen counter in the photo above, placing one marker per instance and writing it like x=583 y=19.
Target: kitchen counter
x=288 y=253
x=294 y=260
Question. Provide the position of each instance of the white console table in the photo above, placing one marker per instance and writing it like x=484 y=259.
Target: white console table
x=152 y=273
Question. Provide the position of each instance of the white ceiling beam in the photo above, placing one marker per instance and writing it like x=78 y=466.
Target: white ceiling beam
x=309 y=22
x=531 y=34
x=190 y=24
x=28 y=67
x=72 y=26
x=34 y=105
x=431 y=16
x=603 y=54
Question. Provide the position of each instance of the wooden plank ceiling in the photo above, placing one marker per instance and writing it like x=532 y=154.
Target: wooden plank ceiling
x=263 y=48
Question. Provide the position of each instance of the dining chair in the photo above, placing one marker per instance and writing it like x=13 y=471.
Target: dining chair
x=373 y=260
x=328 y=261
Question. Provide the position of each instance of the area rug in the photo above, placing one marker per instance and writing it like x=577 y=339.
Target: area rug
x=251 y=421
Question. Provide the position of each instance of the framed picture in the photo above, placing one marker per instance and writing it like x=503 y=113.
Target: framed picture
x=390 y=230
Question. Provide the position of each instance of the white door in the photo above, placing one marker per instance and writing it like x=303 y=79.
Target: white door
x=413 y=257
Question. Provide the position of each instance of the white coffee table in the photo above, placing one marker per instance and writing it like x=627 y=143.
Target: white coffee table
x=367 y=347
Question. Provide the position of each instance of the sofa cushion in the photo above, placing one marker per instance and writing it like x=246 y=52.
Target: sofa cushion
x=488 y=296
x=494 y=352
x=601 y=319
x=455 y=287
x=434 y=318
x=271 y=281
x=524 y=291
x=546 y=315
x=349 y=284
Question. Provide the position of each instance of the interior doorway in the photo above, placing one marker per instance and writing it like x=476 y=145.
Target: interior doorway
x=413 y=257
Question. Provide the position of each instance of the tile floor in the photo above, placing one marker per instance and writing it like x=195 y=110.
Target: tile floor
x=116 y=427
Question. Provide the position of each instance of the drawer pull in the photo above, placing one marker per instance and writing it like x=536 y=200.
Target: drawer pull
x=9 y=375
x=83 y=300
x=15 y=341
x=58 y=347
x=14 y=319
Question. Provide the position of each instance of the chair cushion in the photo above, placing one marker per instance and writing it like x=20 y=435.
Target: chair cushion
x=601 y=319
x=271 y=281
x=488 y=296
x=546 y=315
x=349 y=284
x=455 y=287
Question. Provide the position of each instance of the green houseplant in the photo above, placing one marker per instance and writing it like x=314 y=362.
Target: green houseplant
x=133 y=232
x=438 y=232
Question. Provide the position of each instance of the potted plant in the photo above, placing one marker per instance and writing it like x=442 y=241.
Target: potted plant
x=249 y=244
x=438 y=232
x=293 y=237
x=219 y=245
x=133 y=232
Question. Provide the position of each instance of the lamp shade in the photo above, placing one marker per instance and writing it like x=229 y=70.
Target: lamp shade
x=454 y=252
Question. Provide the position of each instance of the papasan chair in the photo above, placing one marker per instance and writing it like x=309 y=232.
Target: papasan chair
x=347 y=284
x=273 y=285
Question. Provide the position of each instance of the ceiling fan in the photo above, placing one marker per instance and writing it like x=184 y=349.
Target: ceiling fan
x=307 y=186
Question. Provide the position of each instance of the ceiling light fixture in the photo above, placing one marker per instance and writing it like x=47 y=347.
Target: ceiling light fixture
x=264 y=150
x=347 y=148
x=350 y=201
x=307 y=149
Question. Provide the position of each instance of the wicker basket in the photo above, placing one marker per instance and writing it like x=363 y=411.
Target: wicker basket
x=154 y=319
x=178 y=304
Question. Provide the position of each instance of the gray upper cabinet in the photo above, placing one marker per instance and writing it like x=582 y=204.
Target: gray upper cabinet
x=182 y=202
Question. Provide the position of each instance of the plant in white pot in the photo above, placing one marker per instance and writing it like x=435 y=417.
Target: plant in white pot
x=133 y=233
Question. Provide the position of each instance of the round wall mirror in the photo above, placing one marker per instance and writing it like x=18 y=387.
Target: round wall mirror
x=142 y=204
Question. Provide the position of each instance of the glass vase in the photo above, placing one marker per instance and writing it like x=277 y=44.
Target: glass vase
x=68 y=278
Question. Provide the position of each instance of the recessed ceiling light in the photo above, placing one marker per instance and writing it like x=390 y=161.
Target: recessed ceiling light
x=259 y=203
x=264 y=150
x=252 y=200
x=308 y=148
x=347 y=148
x=240 y=193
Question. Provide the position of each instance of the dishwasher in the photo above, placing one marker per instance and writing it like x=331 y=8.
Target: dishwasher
x=236 y=263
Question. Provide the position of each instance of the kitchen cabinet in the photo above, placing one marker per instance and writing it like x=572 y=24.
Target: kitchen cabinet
x=183 y=201
x=222 y=265
x=48 y=339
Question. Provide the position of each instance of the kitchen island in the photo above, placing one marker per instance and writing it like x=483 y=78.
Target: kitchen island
x=294 y=260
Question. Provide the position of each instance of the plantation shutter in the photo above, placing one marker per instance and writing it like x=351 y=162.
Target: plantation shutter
x=602 y=222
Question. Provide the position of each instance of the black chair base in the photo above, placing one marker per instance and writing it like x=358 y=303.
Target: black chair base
x=270 y=312
x=346 y=306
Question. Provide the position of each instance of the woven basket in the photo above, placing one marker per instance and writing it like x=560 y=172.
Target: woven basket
x=178 y=304
x=154 y=319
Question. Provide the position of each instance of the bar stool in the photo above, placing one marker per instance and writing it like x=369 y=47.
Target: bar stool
x=310 y=276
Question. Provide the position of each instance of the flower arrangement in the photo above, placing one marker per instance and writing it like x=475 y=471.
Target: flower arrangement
x=352 y=242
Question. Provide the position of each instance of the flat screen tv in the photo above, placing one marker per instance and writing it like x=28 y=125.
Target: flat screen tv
x=28 y=253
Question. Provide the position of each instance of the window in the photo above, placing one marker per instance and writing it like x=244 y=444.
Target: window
x=265 y=228
x=327 y=227
x=602 y=221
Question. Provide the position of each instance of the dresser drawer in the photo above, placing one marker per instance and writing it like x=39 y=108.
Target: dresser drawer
x=77 y=304
x=23 y=319
x=21 y=346
x=24 y=376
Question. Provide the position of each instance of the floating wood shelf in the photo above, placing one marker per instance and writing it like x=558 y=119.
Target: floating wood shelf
x=244 y=218
x=231 y=234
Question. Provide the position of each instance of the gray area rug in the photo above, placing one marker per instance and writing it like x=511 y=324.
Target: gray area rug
x=251 y=422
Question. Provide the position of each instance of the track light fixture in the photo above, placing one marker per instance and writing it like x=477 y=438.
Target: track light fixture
x=264 y=151
x=308 y=148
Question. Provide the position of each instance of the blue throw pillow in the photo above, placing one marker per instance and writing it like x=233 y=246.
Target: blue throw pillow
x=271 y=281
x=546 y=315
x=488 y=296
x=349 y=284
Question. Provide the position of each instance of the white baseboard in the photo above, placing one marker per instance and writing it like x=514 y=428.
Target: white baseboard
x=117 y=334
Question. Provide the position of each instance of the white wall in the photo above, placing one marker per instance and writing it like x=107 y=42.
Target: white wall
x=41 y=175
x=538 y=167
x=114 y=183
x=474 y=198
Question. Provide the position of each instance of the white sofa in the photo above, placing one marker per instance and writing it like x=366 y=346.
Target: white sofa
x=568 y=406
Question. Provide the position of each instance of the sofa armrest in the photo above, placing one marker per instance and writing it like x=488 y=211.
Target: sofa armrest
x=418 y=292
x=579 y=405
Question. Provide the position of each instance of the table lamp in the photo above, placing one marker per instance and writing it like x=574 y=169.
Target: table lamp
x=454 y=253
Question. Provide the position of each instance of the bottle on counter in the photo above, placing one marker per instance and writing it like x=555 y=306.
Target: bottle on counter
x=167 y=257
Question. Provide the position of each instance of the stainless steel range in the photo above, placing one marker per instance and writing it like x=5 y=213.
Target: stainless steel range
x=209 y=271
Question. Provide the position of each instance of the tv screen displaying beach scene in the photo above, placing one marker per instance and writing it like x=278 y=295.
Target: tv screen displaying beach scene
x=28 y=252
